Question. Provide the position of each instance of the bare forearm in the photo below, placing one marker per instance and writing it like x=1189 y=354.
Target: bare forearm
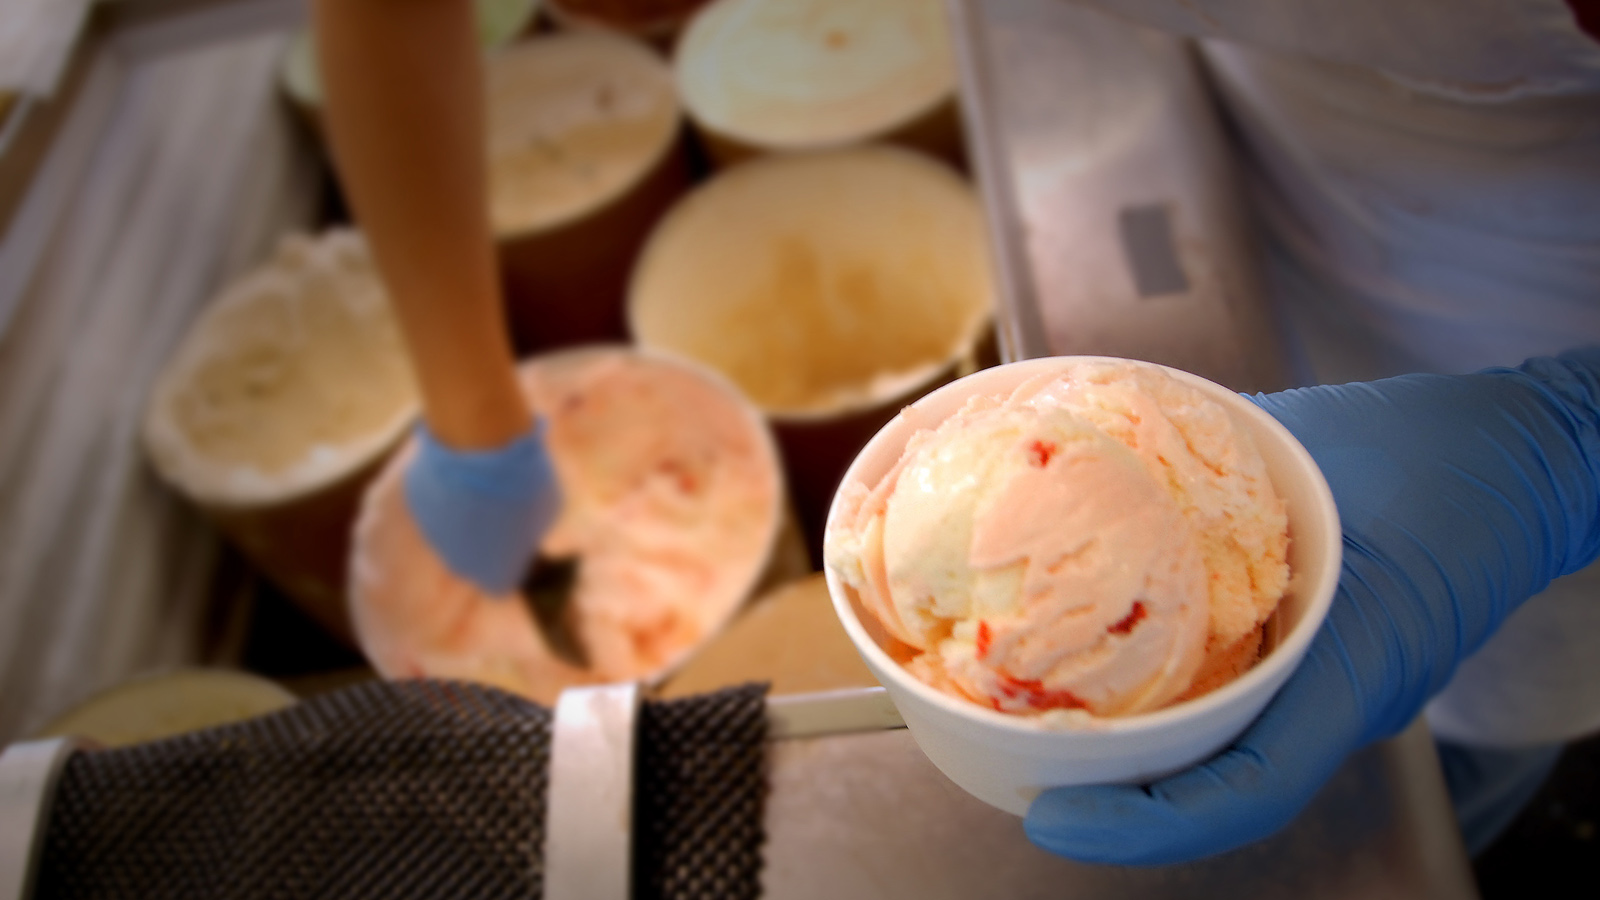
x=404 y=112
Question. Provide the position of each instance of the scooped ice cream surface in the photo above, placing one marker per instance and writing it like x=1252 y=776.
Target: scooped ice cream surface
x=671 y=497
x=1103 y=539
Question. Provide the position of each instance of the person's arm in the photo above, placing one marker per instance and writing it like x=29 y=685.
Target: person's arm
x=404 y=110
x=1459 y=498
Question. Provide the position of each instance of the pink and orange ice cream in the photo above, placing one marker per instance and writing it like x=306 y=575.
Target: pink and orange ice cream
x=1103 y=539
x=671 y=503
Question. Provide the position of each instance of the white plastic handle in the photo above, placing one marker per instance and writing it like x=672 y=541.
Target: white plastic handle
x=588 y=828
x=28 y=773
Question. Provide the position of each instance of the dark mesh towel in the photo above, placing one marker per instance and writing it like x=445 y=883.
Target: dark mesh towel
x=699 y=785
x=393 y=789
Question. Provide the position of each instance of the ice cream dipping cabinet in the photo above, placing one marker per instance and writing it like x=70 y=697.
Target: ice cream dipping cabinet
x=1062 y=176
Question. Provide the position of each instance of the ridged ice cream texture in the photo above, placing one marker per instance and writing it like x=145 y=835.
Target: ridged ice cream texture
x=1101 y=539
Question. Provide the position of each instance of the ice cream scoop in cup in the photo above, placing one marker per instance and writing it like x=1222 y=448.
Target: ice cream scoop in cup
x=1080 y=570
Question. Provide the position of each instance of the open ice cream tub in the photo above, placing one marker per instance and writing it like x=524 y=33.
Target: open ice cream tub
x=280 y=405
x=585 y=155
x=1006 y=760
x=499 y=22
x=832 y=288
x=780 y=76
x=673 y=514
x=658 y=21
x=584 y=152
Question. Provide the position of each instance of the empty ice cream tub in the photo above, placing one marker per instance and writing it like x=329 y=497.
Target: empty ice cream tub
x=760 y=76
x=672 y=517
x=280 y=404
x=832 y=288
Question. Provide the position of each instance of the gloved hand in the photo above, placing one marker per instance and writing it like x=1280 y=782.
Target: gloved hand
x=484 y=512
x=1460 y=497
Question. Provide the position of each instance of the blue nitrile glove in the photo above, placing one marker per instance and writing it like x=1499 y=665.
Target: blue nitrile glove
x=484 y=511
x=1460 y=497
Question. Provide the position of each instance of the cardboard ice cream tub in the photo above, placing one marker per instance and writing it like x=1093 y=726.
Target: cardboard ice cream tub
x=1005 y=759
x=656 y=21
x=585 y=154
x=163 y=704
x=672 y=517
x=762 y=76
x=279 y=406
x=831 y=287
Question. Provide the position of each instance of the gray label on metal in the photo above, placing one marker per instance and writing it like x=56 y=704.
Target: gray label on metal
x=1151 y=253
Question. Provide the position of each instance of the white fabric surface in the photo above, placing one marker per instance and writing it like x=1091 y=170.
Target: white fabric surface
x=186 y=170
x=1469 y=48
x=1428 y=175
x=36 y=39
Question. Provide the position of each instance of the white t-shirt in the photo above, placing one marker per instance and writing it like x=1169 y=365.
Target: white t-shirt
x=1428 y=176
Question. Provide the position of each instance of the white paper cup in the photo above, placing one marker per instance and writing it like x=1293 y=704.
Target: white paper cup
x=1006 y=760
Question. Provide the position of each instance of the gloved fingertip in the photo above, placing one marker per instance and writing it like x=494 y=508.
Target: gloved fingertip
x=1233 y=799
x=1105 y=824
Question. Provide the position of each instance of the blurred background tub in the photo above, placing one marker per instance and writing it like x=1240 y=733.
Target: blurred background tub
x=765 y=76
x=831 y=287
x=585 y=154
x=673 y=516
x=280 y=405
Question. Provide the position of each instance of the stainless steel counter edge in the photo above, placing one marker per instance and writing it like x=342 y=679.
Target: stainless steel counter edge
x=1018 y=326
